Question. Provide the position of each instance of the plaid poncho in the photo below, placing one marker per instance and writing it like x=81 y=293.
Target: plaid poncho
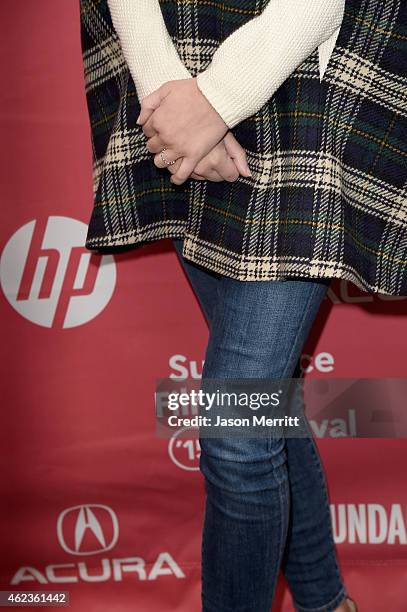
x=328 y=194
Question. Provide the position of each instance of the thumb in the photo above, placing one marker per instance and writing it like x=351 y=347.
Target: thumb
x=148 y=105
x=237 y=153
x=184 y=171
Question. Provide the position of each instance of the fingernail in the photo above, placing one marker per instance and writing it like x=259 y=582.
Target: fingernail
x=138 y=120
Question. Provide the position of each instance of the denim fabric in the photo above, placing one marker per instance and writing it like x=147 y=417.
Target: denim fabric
x=267 y=503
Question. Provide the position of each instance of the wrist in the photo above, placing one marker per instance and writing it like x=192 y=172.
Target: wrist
x=149 y=81
x=215 y=100
x=220 y=98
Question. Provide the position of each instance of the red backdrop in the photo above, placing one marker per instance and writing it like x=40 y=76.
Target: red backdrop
x=92 y=501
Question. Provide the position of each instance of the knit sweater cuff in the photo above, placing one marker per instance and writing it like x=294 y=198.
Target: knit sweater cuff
x=222 y=99
x=147 y=82
x=253 y=62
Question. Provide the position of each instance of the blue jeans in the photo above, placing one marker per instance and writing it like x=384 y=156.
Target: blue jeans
x=267 y=503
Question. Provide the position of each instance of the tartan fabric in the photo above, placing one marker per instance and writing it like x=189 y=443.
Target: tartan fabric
x=328 y=193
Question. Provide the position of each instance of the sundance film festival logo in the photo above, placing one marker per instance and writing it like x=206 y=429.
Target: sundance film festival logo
x=184 y=449
x=369 y=524
x=48 y=277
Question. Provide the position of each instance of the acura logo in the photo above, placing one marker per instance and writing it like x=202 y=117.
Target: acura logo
x=87 y=529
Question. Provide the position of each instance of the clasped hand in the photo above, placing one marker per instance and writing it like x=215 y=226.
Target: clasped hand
x=179 y=118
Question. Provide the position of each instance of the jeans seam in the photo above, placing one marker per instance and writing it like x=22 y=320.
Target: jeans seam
x=310 y=297
x=328 y=607
x=283 y=488
x=314 y=450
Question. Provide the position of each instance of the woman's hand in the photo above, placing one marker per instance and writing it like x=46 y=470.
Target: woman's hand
x=179 y=118
x=226 y=162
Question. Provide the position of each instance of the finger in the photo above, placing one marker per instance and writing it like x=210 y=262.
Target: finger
x=227 y=169
x=237 y=153
x=148 y=105
x=185 y=170
x=206 y=168
x=166 y=156
x=155 y=144
x=210 y=175
x=214 y=177
x=145 y=115
x=148 y=129
x=173 y=169
x=242 y=165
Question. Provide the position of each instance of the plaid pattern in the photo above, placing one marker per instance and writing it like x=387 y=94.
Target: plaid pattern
x=329 y=160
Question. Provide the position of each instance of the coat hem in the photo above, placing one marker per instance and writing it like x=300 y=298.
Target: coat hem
x=240 y=267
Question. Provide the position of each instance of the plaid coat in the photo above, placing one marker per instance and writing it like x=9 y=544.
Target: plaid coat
x=328 y=193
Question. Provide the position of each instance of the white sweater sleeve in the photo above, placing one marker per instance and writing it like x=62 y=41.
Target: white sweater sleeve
x=147 y=46
x=247 y=68
x=252 y=63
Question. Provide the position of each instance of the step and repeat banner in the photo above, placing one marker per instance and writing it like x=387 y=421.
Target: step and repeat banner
x=92 y=501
